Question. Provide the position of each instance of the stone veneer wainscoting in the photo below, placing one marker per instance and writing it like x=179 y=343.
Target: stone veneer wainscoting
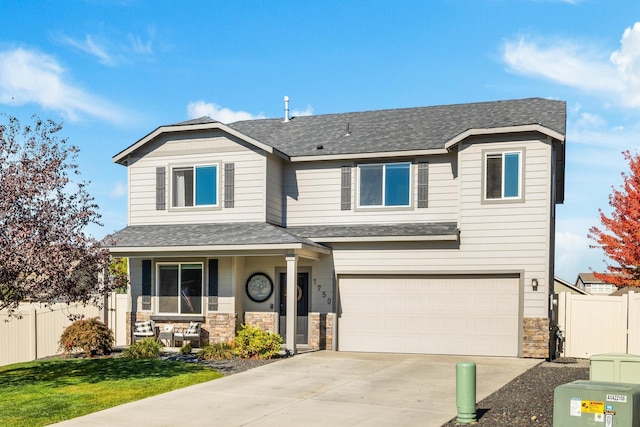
x=221 y=326
x=535 y=342
x=267 y=321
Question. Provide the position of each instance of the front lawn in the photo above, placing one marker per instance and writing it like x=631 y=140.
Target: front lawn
x=49 y=391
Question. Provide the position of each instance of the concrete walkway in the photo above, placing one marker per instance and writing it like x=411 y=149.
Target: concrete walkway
x=320 y=389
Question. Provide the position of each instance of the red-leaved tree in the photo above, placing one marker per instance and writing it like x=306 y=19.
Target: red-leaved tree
x=45 y=255
x=620 y=236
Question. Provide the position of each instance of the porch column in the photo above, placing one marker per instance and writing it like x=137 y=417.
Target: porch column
x=292 y=301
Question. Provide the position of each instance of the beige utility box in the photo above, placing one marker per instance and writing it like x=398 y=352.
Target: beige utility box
x=615 y=367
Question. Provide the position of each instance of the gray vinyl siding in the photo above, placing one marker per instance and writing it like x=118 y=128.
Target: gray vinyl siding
x=274 y=191
x=199 y=148
x=313 y=195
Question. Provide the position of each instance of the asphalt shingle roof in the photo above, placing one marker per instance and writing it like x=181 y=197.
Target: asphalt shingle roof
x=260 y=233
x=242 y=233
x=375 y=230
x=399 y=129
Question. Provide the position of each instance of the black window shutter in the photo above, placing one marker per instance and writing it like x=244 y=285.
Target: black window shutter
x=213 y=285
x=345 y=188
x=229 y=185
x=160 y=189
x=423 y=185
x=146 y=284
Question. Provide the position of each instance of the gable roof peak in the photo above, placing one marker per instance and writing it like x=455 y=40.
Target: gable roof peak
x=199 y=121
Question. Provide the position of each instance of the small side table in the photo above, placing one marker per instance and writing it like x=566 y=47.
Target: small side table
x=167 y=336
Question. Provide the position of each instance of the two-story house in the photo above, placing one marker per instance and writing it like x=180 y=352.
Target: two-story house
x=417 y=230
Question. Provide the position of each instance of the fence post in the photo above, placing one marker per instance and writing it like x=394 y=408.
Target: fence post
x=33 y=333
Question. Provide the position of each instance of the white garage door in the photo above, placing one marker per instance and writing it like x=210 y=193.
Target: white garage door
x=431 y=315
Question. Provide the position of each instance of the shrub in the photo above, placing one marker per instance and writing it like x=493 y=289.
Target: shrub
x=218 y=351
x=252 y=342
x=90 y=336
x=148 y=348
x=185 y=349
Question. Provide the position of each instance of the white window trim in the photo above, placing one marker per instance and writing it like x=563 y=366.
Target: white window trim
x=503 y=153
x=202 y=289
x=384 y=172
x=193 y=166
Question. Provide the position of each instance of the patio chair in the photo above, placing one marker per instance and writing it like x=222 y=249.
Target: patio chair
x=191 y=334
x=144 y=329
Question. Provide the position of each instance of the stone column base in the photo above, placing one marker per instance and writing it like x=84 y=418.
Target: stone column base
x=321 y=331
x=536 y=335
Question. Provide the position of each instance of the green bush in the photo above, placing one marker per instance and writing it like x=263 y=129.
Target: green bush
x=218 y=351
x=148 y=348
x=253 y=342
x=90 y=336
x=185 y=349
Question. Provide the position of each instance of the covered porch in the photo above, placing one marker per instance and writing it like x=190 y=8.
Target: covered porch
x=224 y=275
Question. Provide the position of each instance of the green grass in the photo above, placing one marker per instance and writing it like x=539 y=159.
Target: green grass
x=44 y=392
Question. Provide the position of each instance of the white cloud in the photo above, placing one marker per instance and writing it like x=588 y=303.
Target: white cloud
x=110 y=52
x=574 y=255
x=139 y=46
x=306 y=112
x=31 y=77
x=225 y=115
x=119 y=190
x=608 y=74
x=88 y=45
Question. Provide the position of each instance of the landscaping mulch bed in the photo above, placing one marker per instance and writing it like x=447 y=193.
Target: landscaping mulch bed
x=225 y=367
x=528 y=399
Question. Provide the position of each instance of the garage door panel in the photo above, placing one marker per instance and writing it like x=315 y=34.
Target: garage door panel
x=446 y=315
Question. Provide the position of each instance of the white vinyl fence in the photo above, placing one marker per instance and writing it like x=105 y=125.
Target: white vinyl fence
x=116 y=317
x=594 y=324
x=36 y=334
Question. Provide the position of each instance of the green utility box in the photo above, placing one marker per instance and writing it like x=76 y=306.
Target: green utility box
x=615 y=367
x=598 y=404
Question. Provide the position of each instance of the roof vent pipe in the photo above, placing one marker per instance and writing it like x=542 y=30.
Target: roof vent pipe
x=286 y=109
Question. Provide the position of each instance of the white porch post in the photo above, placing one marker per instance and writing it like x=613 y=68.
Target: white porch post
x=292 y=301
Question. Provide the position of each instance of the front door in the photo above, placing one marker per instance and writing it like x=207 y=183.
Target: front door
x=303 y=307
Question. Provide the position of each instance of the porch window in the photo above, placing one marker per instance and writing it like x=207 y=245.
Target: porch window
x=180 y=288
x=503 y=176
x=384 y=185
x=194 y=186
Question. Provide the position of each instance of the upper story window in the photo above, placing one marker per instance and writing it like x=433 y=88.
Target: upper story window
x=385 y=184
x=194 y=186
x=503 y=175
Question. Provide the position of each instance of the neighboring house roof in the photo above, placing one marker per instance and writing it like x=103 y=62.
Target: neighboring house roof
x=199 y=236
x=560 y=285
x=378 y=232
x=588 y=278
x=404 y=130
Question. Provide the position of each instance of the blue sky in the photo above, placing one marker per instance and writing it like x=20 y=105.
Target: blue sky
x=112 y=71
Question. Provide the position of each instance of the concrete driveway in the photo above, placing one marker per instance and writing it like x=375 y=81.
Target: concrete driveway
x=320 y=389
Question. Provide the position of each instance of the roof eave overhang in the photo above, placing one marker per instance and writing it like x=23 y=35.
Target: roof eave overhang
x=302 y=249
x=357 y=156
x=503 y=130
x=121 y=157
x=430 y=238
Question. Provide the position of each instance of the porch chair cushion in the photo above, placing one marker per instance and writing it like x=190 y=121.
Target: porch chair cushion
x=193 y=329
x=192 y=333
x=144 y=329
